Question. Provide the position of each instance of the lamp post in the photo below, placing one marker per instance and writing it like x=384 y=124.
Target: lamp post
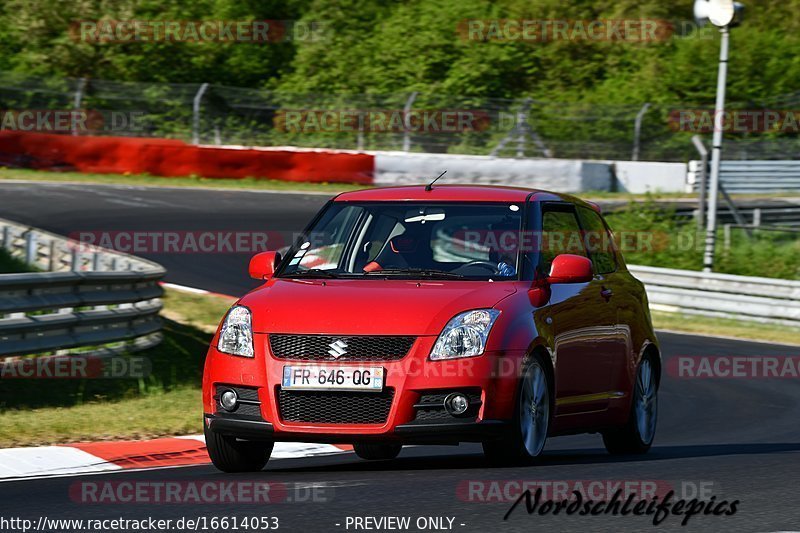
x=724 y=14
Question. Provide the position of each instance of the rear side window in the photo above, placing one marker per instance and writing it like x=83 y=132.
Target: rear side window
x=561 y=234
x=598 y=240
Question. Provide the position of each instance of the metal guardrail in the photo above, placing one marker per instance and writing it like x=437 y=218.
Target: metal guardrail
x=752 y=176
x=721 y=295
x=772 y=215
x=91 y=297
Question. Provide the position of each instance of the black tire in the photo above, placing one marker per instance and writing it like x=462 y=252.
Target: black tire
x=377 y=451
x=231 y=455
x=629 y=439
x=511 y=449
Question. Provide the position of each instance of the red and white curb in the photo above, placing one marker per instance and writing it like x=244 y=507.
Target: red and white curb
x=96 y=457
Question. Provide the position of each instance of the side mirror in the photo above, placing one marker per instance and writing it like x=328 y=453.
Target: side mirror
x=264 y=264
x=569 y=268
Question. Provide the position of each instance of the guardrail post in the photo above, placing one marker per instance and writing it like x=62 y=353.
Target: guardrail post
x=75 y=260
x=757 y=216
x=30 y=248
x=51 y=264
x=7 y=237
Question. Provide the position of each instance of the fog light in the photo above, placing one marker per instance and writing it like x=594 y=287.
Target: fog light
x=228 y=400
x=456 y=404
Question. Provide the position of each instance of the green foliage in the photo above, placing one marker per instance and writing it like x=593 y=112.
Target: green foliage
x=651 y=235
x=443 y=49
x=10 y=265
x=372 y=46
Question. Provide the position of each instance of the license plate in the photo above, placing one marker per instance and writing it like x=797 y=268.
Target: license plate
x=306 y=377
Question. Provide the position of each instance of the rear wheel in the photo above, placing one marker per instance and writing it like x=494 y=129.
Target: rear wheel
x=231 y=455
x=637 y=435
x=376 y=451
x=528 y=434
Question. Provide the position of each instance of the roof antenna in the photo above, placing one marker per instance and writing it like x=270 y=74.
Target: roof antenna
x=429 y=187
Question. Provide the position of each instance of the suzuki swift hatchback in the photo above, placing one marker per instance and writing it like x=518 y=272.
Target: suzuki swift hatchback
x=436 y=316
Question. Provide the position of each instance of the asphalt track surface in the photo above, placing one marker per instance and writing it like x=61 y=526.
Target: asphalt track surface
x=738 y=438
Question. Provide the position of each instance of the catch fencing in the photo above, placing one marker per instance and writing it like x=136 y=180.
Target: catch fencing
x=215 y=114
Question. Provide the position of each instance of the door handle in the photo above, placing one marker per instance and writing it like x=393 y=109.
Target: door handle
x=606 y=293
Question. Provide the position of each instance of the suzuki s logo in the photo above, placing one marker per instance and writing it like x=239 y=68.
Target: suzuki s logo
x=337 y=349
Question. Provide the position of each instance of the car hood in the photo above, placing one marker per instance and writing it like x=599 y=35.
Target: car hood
x=367 y=307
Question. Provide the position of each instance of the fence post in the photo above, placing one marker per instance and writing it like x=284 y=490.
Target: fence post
x=726 y=231
x=30 y=248
x=757 y=216
x=77 y=101
x=522 y=121
x=637 y=131
x=196 y=113
x=7 y=237
x=407 y=121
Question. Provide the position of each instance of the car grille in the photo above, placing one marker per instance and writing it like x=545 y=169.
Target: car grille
x=358 y=348
x=335 y=407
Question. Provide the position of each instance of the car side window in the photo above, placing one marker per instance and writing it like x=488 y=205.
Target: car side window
x=598 y=240
x=561 y=234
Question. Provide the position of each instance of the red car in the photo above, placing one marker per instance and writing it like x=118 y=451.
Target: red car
x=419 y=315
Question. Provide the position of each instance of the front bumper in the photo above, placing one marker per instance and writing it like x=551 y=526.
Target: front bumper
x=440 y=433
x=491 y=376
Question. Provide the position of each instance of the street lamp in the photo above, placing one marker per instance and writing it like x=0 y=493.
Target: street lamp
x=724 y=14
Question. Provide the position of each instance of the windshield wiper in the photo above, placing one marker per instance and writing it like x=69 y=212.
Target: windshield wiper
x=311 y=273
x=424 y=272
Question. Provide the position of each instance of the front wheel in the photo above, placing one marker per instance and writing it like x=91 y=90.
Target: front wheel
x=637 y=435
x=528 y=434
x=376 y=451
x=231 y=455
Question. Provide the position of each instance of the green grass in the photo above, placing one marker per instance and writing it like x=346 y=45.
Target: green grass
x=47 y=411
x=174 y=412
x=191 y=181
x=202 y=311
x=726 y=327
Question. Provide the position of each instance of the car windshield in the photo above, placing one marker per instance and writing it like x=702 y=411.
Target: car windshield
x=470 y=241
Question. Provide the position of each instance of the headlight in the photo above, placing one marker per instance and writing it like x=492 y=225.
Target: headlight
x=465 y=335
x=236 y=335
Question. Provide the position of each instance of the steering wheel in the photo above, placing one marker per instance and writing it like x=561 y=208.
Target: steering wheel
x=484 y=264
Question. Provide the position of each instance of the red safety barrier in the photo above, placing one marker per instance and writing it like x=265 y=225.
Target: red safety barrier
x=171 y=158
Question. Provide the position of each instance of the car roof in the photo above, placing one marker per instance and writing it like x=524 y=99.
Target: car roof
x=456 y=193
